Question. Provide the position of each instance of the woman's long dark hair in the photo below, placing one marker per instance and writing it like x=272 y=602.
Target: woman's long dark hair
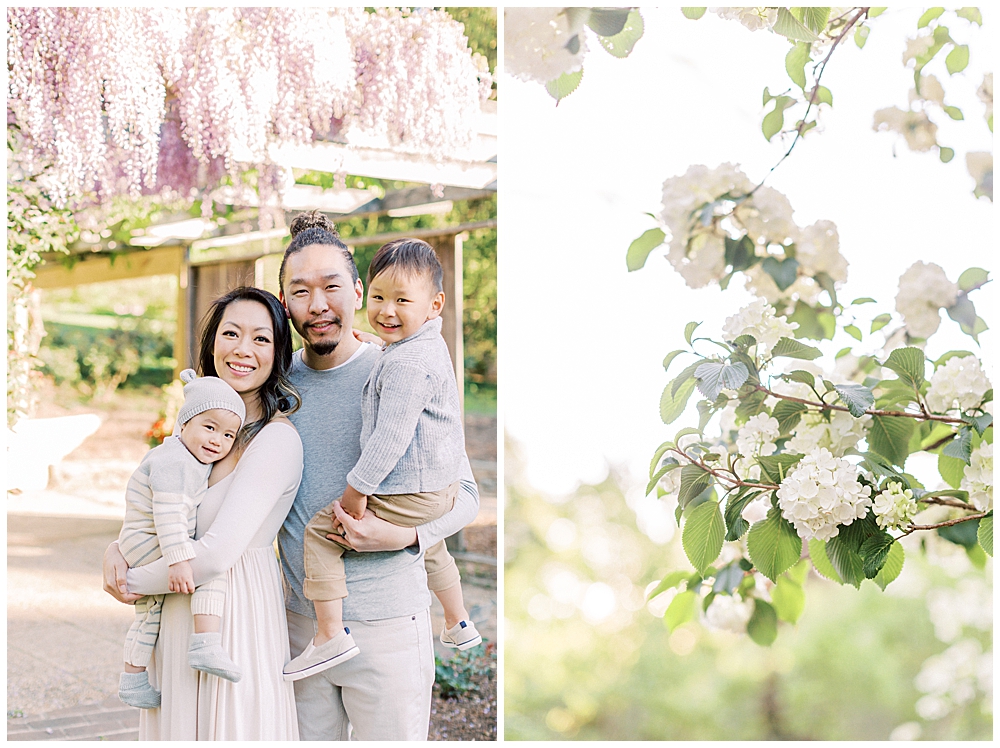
x=277 y=394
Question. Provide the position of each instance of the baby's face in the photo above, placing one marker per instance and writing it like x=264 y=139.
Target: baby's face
x=211 y=434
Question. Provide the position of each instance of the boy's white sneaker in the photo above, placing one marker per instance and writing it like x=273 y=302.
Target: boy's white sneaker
x=315 y=659
x=462 y=635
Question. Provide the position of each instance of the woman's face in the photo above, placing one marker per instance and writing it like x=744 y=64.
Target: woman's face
x=244 y=346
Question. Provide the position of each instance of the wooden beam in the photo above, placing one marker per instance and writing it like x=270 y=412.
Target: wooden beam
x=98 y=268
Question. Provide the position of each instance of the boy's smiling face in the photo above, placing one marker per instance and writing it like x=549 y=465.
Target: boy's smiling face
x=399 y=303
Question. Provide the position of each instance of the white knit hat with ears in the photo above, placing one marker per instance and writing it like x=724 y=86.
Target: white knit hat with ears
x=207 y=393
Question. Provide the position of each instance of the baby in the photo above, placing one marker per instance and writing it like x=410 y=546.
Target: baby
x=412 y=450
x=163 y=494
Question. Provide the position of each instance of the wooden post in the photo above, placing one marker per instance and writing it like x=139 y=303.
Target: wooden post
x=184 y=334
x=449 y=251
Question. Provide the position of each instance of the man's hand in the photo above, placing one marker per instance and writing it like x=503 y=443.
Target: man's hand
x=114 y=575
x=180 y=578
x=371 y=533
x=354 y=502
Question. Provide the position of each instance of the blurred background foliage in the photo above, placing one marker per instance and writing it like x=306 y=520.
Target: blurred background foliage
x=586 y=658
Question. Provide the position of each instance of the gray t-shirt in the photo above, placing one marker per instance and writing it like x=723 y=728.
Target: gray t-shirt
x=379 y=585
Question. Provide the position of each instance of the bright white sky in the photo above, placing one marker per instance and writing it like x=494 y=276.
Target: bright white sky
x=582 y=340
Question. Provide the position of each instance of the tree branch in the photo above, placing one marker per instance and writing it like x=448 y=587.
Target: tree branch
x=947 y=523
x=948 y=502
x=734 y=479
x=872 y=412
x=800 y=130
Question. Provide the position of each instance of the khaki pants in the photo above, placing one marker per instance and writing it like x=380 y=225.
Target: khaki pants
x=383 y=695
x=324 y=562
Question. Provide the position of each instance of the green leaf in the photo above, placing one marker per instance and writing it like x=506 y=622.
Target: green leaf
x=909 y=364
x=979 y=423
x=881 y=321
x=856 y=397
x=929 y=16
x=963 y=312
x=976 y=556
x=715 y=376
x=750 y=405
x=789 y=599
x=875 y=12
x=564 y=85
x=694 y=480
x=795 y=64
x=788 y=414
x=669 y=358
x=960 y=448
x=964 y=533
x=689 y=329
x=951 y=470
x=774 y=121
x=863 y=300
x=693 y=13
x=973 y=278
x=703 y=534
x=810 y=323
x=673 y=405
x=639 y=250
x=801 y=376
x=853 y=331
x=985 y=534
x=821 y=562
x=736 y=526
x=763 y=624
x=790 y=27
x=783 y=272
x=655 y=477
x=889 y=436
x=740 y=252
x=670 y=581
x=954 y=112
x=773 y=545
x=861 y=36
x=607 y=21
x=728 y=578
x=892 y=567
x=847 y=563
x=816 y=18
x=687 y=373
x=789 y=348
x=875 y=551
x=970 y=14
x=958 y=59
x=660 y=451
x=824 y=96
x=621 y=44
x=776 y=467
x=681 y=609
x=946 y=154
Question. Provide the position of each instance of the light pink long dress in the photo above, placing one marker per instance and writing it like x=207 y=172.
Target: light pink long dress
x=242 y=512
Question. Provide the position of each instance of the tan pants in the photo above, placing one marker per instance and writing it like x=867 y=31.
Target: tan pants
x=324 y=562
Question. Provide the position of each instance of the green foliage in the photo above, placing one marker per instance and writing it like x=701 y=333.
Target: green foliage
x=889 y=436
x=773 y=545
x=673 y=403
x=639 y=250
x=621 y=44
x=909 y=364
x=460 y=674
x=762 y=627
x=856 y=397
x=985 y=534
x=703 y=533
x=789 y=348
x=564 y=85
x=714 y=376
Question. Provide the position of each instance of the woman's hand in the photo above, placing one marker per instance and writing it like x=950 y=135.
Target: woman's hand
x=114 y=575
x=367 y=337
x=371 y=533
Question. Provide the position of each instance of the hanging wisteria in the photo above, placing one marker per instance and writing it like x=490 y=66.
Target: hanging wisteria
x=130 y=100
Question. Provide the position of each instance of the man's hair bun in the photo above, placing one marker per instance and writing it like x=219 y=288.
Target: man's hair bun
x=312 y=220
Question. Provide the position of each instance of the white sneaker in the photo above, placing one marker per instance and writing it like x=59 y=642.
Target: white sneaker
x=315 y=659
x=462 y=635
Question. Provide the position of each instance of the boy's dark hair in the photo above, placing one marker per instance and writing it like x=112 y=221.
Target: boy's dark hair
x=315 y=228
x=411 y=256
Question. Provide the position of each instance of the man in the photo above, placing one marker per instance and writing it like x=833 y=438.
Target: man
x=384 y=693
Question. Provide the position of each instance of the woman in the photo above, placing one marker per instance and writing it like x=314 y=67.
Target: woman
x=247 y=343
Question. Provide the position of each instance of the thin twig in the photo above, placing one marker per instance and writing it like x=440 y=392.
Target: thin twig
x=873 y=412
x=947 y=523
x=730 y=478
x=812 y=99
x=948 y=502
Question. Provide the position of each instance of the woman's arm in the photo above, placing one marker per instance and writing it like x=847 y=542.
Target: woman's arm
x=267 y=471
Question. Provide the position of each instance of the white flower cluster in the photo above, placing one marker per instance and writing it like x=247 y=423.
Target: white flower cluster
x=758 y=435
x=968 y=604
x=980 y=166
x=916 y=47
x=822 y=492
x=754 y=19
x=535 y=42
x=930 y=90
x=978 y=477
x=841 y=433
x=758 y=319
x=728 y=613
x=923 y=290
x=915 y=127
x=767 y=216
x=818 y=251
x=985 y=94
x=953 y=678
x=959 y=384
x=894 y=507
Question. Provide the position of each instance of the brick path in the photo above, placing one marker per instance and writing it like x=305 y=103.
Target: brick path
x=108 y=720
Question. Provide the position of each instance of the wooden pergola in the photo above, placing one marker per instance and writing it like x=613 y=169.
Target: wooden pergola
x=207 y=264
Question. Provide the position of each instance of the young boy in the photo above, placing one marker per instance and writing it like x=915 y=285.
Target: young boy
x=412 y=445
x=163 y=494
